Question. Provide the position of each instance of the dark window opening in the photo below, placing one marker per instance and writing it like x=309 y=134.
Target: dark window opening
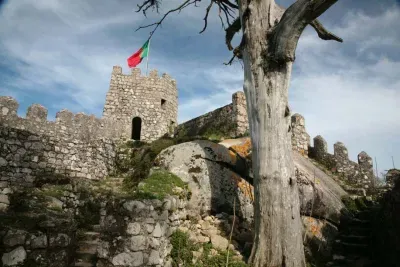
x=163 y=101
x=136 y=128
x=172 y=128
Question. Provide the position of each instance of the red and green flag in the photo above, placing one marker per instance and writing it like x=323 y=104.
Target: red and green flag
x=136 y=58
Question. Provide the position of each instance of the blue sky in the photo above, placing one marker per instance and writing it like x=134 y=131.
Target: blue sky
x=60 y=54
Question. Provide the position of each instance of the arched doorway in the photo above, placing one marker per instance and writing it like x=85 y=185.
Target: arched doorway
x=136 y=128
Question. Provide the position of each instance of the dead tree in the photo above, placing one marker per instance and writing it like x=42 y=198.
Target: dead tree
x=269 y=38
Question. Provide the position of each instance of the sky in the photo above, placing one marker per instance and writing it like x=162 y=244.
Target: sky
x=60 y=54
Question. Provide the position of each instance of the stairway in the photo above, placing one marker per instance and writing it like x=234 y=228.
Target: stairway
x=86 y=252
x=352 y=245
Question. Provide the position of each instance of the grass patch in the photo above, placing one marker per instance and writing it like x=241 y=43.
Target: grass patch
x=182 y=253
x=56 y=191
x=160 y=184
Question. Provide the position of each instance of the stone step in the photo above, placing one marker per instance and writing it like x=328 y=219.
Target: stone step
x=355 y=239
x=350 y=248
x=356 y=230
x=364 y=215
x=87 y=245
x=90 y=236
x=96 y=228
x=86 y=255
x=83 y=264
x=356 y=222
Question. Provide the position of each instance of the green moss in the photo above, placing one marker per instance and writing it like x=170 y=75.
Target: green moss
x=355 y=205
x=160 y=184
x=56 y=191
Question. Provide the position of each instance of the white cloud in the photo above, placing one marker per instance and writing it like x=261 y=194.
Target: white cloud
x=346 y=91
x=349 y=92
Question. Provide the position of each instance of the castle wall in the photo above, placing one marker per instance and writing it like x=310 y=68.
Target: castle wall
x=230 y=120
x=154 y=99
x=359 y=174
x=74 y=145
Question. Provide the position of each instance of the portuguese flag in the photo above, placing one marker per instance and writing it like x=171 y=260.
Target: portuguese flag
x=136 y=58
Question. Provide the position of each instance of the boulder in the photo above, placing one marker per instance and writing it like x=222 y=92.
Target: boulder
x=320 y=195
x=208 y=168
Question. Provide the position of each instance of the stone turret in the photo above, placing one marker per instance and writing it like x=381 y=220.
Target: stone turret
x=146 y=108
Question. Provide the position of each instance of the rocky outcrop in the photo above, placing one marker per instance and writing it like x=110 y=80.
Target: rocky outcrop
x=209 y=169
x=320 y=195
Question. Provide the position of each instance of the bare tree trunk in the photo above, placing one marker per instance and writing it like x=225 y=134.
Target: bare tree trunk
x=270 y=36
x=278 y=227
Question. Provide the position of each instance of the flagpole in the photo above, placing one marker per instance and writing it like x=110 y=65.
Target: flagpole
x=148 y=55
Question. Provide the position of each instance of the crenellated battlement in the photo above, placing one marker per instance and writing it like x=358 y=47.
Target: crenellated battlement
x=136 y=74
x=67 y=125
x=359 y=174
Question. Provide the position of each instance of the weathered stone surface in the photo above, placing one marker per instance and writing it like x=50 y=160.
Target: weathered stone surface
x=128 y=259
x=230 y=120
x=59 y=240
x=320 y=195
x=137 y=243
x=134 y=205
x=157 y=231
x=103 y=249
x=320 y=236
x=38 y=241
x=4 y=199
x=154 y=258
x=206 y=167
x=14 y=238
x=219 y=242
x=14 y=257
x=133 y=228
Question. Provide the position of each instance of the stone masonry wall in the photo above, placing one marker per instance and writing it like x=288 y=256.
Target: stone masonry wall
x=135 y=232
x=230 y=120
x=359 y=174
x=32 y=147
x=153 y=99
x=300 y=137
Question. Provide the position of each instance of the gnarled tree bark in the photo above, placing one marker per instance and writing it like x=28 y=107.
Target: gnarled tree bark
x=270 y=36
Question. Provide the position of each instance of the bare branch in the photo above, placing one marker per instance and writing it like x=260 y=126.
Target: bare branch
x=230 y=32
x=156 y=24
x=323 y=33
x=230 y=61
x=237 y=52
x=220 y=18
x=206 y=16
x=147 y=4
x=288 y=30
x=225 y=6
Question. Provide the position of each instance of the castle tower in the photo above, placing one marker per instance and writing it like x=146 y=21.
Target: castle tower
x=145 y=108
